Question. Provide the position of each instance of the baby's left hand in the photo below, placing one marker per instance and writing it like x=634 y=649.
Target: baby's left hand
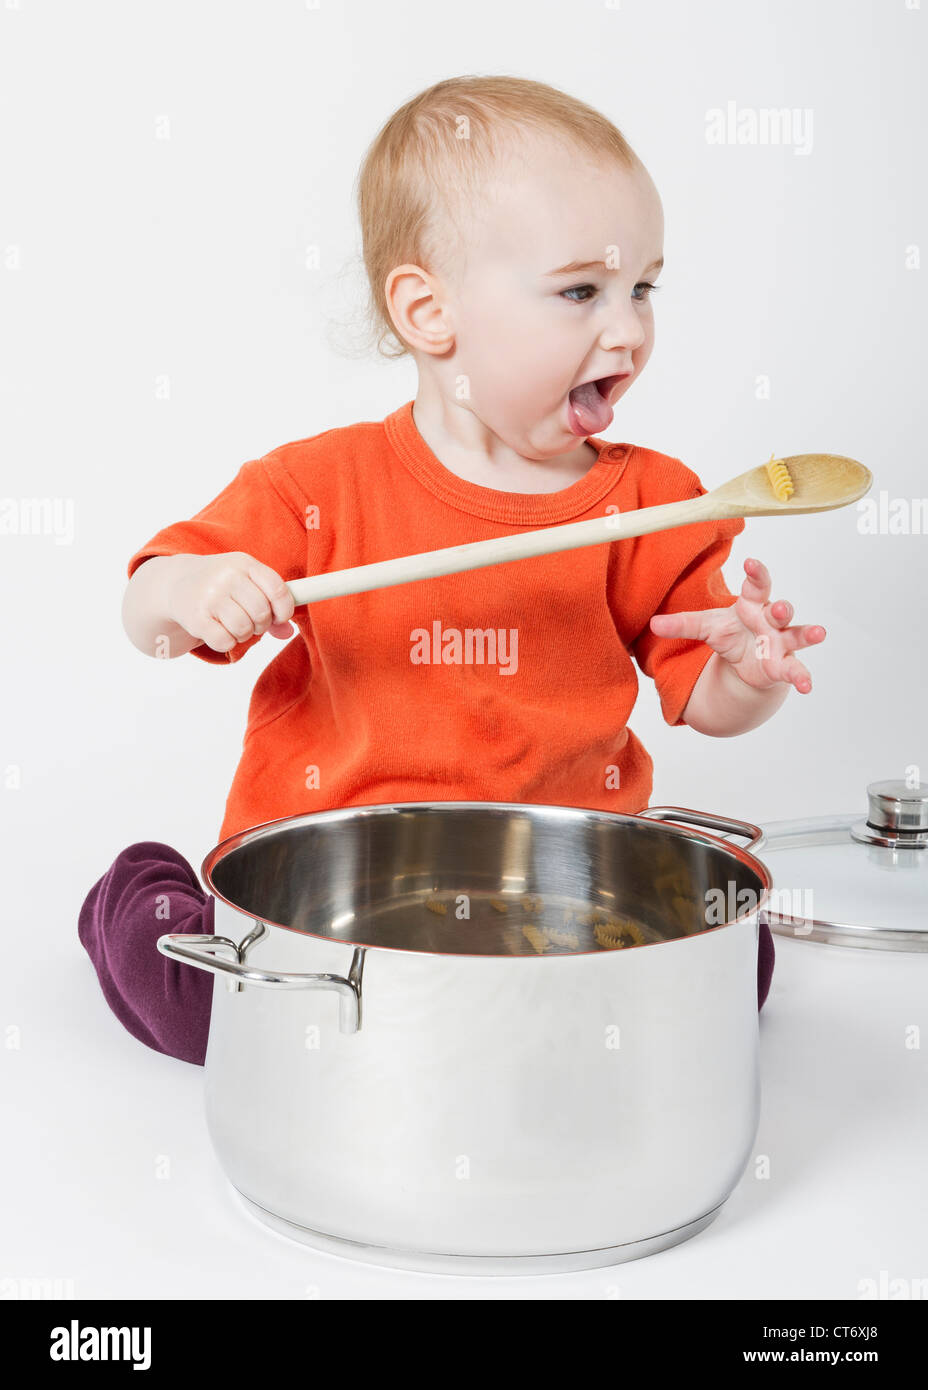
x=752 y=634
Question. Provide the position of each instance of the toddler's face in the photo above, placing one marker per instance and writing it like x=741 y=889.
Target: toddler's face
x=524 y=337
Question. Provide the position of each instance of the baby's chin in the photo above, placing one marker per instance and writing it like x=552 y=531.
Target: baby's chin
x=535 y=434
x=545 y=440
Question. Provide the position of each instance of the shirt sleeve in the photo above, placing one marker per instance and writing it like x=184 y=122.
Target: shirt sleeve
x=262 y=512
x=684 y=573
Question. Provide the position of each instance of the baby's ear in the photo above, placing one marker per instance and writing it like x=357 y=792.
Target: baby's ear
x=419 y=310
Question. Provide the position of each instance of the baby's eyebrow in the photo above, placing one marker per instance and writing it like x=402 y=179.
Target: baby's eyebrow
x=574 y=267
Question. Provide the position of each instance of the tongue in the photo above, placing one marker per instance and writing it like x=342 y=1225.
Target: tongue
x=590 y=411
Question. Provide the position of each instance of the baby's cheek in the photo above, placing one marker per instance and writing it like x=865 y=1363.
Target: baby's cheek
x=640 y=355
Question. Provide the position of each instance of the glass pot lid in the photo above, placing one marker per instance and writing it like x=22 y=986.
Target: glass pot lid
x=853 y=880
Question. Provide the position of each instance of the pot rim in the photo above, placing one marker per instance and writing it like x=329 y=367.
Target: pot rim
x=339 y=813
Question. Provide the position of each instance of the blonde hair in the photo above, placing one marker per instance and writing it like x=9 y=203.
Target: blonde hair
x=426 y=167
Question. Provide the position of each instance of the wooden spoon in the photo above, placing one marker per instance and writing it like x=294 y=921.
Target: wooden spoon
x=822 y=482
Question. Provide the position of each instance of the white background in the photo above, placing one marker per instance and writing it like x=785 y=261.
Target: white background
x=130 y=259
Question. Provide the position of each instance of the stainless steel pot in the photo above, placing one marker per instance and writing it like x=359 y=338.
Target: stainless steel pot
x=422 y=1055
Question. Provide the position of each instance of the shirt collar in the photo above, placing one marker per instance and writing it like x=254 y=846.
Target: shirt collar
x=517 y=508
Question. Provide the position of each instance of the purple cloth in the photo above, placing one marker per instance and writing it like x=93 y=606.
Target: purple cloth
x=150 y=890
x=766 y=955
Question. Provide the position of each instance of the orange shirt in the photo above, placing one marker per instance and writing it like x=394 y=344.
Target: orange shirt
x=509 y=683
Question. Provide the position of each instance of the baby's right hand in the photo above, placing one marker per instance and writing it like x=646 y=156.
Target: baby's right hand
x=225 y=599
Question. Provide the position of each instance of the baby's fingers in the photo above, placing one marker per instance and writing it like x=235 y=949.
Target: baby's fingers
x=780 y=613
x=797 y=675
x=256 y=602
x=221 y=635
x=756 y=588
x=804 y=636
x=253 y=602
x=275 y=591
x=234 y=620
x=687 y=625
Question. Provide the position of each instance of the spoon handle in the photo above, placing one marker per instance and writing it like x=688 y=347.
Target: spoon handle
x=498 y=549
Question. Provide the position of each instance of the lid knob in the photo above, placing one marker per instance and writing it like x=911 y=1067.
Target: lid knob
x=897 y=807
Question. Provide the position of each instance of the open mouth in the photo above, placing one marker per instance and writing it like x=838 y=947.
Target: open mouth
x=605 y=384
x=588 y=408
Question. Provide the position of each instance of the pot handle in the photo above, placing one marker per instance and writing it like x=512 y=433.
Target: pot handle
x=752 y=833
x=197 y=950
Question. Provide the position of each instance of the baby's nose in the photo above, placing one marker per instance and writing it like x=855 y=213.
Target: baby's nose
x=624 y=329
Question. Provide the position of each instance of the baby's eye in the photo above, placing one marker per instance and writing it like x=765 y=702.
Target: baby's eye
x=588 y=291
x=580 y=289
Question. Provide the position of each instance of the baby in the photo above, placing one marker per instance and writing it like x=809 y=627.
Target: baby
x=511 y=240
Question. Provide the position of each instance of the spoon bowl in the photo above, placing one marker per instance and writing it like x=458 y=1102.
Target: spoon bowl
x=821 y=482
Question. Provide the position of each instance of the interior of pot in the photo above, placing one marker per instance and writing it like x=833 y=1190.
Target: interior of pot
x=484 y=878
